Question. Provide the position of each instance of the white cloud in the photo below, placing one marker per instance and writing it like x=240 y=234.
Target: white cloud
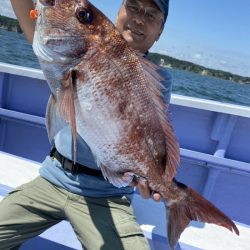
x=209 y=57
x=197 y=56
x=222 y=62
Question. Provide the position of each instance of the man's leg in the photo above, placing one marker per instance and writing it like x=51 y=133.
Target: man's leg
x=105 y=224
x=28 y=211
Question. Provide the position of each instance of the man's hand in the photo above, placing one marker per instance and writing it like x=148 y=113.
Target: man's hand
x=145 y=191
x=142 y=186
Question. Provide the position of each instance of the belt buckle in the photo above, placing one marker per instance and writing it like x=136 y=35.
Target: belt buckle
x=70 y=166
x=75 y=168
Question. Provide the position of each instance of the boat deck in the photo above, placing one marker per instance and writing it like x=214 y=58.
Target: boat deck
x=215 y=161
x=15 y=171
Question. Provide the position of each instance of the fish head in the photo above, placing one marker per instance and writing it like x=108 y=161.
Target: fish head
x=67 y=29
x=67 y=33
x=59 y=37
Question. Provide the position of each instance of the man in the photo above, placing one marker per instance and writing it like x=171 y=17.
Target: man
x=100 y=213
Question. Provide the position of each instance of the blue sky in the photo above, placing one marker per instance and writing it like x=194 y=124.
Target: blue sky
x=213 y=33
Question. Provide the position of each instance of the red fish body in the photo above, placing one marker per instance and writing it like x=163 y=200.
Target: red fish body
x=111 y=97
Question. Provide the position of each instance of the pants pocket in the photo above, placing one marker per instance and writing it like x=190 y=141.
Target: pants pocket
x=131 y=235
x=12 y=192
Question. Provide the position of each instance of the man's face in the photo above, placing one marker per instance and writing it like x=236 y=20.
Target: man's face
x=140 y=22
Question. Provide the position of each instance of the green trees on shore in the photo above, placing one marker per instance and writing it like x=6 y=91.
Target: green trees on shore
x=9 y=24
x=170 y=62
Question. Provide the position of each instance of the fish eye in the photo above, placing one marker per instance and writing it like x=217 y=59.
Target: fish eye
x=84 y=15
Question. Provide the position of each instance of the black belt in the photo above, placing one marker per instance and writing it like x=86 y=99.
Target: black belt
x=76 y=168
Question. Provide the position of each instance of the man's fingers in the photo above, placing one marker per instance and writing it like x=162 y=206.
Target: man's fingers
x=143 y=189
x=142 y=185
x=156 y=196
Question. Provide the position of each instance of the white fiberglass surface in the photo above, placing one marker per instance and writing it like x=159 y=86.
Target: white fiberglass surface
x=15 y=171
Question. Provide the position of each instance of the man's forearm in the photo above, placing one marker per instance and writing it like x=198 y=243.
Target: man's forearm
x=22 y=9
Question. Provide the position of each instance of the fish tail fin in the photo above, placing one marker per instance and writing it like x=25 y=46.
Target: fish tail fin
x=193 y=207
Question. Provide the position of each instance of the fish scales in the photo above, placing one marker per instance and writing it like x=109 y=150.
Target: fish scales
x=111 y=103
x=111 y=96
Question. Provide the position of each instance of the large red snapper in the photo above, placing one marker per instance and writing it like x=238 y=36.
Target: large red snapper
x=112 y=98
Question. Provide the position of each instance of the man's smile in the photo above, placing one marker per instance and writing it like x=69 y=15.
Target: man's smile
x=135 y=32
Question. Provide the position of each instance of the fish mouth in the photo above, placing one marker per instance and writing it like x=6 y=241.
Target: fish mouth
x=57 y=40
x=47 y=35
x=63 y=37
x=58 y=48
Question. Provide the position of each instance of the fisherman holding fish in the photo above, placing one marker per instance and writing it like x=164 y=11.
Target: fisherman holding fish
x=100 y=213
x=106 y=119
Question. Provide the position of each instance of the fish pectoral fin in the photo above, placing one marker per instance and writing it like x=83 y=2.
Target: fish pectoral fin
x=67 y=104
x=54 y=121
x=117 y=179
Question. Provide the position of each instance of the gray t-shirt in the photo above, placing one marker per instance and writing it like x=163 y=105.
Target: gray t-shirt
x=83 y=184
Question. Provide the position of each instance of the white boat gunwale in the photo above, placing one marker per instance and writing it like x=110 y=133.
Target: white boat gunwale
x=176 y=99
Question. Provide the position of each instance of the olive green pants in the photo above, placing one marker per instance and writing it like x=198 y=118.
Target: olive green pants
x=99 y=223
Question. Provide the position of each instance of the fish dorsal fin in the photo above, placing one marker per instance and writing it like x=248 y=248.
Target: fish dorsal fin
x=67 y=105
x=154 y=83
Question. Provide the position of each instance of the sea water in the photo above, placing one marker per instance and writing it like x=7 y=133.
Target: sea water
x=14 y=49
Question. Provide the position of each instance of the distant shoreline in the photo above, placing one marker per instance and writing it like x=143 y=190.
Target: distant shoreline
x=10 y=24
x=170 y=62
